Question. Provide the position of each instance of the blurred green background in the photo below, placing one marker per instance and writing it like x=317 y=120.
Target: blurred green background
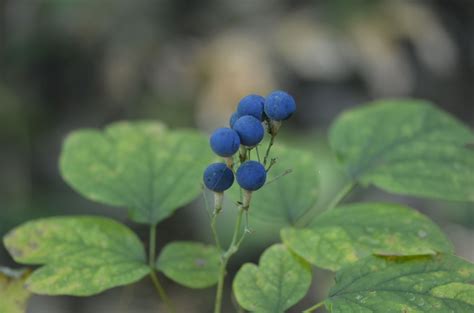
x=67 y=64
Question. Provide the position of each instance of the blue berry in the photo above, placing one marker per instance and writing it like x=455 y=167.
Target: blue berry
x=225 y=142
x=279 y=105
x=218 y=177
x=251 y=175
x=251 y=105
x=233 y=118
x=250 y=130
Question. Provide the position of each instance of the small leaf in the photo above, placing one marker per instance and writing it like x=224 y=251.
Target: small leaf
x=82 y=256
x=190 y=264
x=140 y=166
x=284 y=199
x=346 y=234
x=432 y=284
x=279 y=282
x=13 y=294
x=406 y=147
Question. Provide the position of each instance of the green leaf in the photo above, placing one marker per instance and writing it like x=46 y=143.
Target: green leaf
x=82 y=256
x=284 y=200
x=279 y=282
x=190 y=264
x=141 y=166
x=346 y=234
x=434 y=284
x=13 y=294
x=406 y=147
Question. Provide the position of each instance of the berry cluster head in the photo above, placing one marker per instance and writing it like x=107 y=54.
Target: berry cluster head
x=246 y=132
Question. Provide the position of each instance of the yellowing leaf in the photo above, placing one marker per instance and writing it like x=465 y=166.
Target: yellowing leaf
x=82 y=255
x=431 y=284
x=13 y=294
x=344 y=235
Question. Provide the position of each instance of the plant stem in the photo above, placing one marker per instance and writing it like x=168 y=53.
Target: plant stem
x=340 y=195
x=314 y=307
x=258 y=154
x=152 y=248
x=161 y=291
x=309 y=215
x=233 y=247
x=214 y=230
x=154 y=278
x=267 y=153
x=220 y=286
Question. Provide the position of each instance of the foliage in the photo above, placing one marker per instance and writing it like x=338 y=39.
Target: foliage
x=190 y=264
x=141 y=166
x=285 y=201
x=404 y=284
x=387 y=257
x=406 y=147
x=279 y=281
x=82 y=256
x=344 y=235
x=14 y=295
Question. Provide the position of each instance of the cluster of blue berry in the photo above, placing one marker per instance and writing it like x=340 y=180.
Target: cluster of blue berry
x=247 y=129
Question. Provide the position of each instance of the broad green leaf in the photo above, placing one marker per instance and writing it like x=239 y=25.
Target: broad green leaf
x=279 y=281
x=346 y=234
x=82 y=255
x=406 y=147
x=13 y=294
x=431 y=284
x=140 y=166
x=285 y=199
x=190 y=264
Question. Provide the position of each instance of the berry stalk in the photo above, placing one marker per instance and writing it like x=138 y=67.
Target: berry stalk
x=267 y=153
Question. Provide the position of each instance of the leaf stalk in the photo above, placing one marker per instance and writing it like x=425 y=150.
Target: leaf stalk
x=154 y=278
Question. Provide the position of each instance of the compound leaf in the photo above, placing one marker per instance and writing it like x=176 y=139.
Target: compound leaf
x=346 y=234
x=82 y=255
x=141 y=166
x=406 y=147
x=434 y=284
x=13 y=294
x=279 y=281
x=190 y=264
